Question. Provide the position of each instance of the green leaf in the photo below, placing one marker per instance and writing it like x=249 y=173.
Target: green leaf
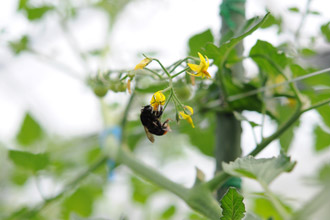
x=169 y=212
x=294 y=9
x=322 y=139
x=263 y=170
x=22 y=4
x=38 y=12
x=27 y=160
x=198 y=41
x=112 y=8
x=196 y=216
x=325 y=29
x=19 y=176
x=314 y=12
x=219 y=55
x=80 y=202
x=268 y=58
x=20 y=45
x=272 y=20
x=232 y=205
x=30 y=131
x=265 y=209
x=283 y=113
x=142 y=190
x=324 y=174
x=307 y=52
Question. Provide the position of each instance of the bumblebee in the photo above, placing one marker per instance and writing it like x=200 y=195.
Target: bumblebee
x=151 y=122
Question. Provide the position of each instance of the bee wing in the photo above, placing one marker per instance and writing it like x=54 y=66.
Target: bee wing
x=149 y=135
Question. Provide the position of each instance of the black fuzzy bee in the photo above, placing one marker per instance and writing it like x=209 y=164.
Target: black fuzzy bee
x=151 y=122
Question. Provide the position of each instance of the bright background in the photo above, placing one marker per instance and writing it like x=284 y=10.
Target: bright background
x=66 y=106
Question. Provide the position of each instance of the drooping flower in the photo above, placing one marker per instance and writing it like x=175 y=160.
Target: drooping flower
x=201 y=69
x=143 y=63
x=158 y=98
x=188 y=111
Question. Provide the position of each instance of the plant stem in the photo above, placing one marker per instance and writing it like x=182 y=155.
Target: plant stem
x=228 y=128
x=277 y=204
x=295 y=116
x=150 y=174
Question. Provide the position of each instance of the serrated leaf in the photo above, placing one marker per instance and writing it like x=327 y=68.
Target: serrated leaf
x=29 y=132
x=29 y=161
x=232 y=205
x=220 y=55
x=325 y=29
x=322 y=139
x=263 y=170
x=198 y=41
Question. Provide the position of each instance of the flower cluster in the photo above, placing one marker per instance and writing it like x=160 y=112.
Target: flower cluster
x=158 y=99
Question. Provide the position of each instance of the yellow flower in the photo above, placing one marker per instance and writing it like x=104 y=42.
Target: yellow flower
x=157 y=99
x=201 y=69
x=183 y=115
x=143 y=63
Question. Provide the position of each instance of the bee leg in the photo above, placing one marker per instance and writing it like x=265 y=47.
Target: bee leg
x=166 y=125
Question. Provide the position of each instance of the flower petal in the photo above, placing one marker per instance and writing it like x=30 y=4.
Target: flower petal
x=201 y=58
x=194 y=67
x=143 y=63
x=186 y=117
x=189 y=110
x=158 y=98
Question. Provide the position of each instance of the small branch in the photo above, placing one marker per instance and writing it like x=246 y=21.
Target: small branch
x=66 y=69
x=278 y=132
x=182 y=71
x=262 y=89
x=302 y=21
x=317 y=105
